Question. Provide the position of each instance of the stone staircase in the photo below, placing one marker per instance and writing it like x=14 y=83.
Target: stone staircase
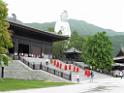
x=45 y=65
x=18 y=70
x=48 y=66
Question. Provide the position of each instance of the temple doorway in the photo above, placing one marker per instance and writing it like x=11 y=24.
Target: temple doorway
x=23 y=49
x=37 y=51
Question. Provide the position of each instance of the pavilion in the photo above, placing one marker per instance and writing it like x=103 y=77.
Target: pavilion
x=119 y=60
x=73 y=54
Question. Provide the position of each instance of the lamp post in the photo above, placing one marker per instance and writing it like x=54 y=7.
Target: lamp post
x=2 y=69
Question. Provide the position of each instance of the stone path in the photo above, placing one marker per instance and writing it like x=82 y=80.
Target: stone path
x=82 y=76
x=106 y=85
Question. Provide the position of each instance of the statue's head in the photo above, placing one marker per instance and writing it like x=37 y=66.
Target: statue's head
x=64 y=16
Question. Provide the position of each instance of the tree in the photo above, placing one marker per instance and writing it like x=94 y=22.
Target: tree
x=75 y=41
x=97 y=51
x=58 y=49
x=50 y=29
x=5 y=38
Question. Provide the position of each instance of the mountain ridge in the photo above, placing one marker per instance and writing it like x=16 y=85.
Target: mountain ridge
x=82 y=27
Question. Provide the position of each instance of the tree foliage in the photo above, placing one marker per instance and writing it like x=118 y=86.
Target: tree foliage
x=5 y=38
x=50 y=29
x=97 y=51
x=76 y=41
x=58 y=49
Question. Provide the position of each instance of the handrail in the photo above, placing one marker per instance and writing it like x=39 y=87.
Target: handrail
x=47 y=69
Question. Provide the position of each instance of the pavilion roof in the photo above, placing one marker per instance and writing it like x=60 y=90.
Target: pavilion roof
x=72 y=50
x=117 y=64
x=121 y=52
x=118 y=58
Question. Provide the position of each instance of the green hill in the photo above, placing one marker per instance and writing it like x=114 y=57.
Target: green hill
x=81 y=27
x=84 y=28
x=117 y=42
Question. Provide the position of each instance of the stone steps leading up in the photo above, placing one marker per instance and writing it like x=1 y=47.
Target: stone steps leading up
x=18 y=70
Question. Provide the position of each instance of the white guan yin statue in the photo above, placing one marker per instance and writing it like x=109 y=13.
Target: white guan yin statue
x=62 y=26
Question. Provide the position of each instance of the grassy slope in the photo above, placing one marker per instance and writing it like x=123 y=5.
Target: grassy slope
x=12 y=84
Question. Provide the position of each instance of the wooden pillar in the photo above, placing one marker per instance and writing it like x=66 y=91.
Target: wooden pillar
x=30 y=49
x=16 y=46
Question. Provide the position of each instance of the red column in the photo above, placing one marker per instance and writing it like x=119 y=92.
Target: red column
x=54 y=62
x=60 y=66
x=57 y=65
x=65 y=67
x=74 y=68
x=69 y=67
x=77 y=69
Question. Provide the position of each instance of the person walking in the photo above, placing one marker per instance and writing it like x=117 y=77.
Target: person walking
x=78 y=78
x=121 y=74
x=91 y=75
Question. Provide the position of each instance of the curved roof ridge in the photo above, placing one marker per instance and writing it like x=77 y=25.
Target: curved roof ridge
x=72 y=50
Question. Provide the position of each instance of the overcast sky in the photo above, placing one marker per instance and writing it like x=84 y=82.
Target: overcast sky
x=108 y=14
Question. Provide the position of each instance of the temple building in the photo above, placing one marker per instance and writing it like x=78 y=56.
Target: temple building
x=73 y=54
x=32 y=42
x=119 y=60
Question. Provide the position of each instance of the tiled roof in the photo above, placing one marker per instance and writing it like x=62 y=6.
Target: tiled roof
x=56 y=37
x=117 y=58
x=117 y=64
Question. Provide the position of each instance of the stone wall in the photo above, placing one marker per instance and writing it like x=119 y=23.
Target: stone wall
x=19 y=70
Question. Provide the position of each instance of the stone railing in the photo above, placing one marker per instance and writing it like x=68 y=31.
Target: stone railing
x=47 y=68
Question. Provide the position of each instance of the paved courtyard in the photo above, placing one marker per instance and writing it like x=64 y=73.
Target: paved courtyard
x=106 y=85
